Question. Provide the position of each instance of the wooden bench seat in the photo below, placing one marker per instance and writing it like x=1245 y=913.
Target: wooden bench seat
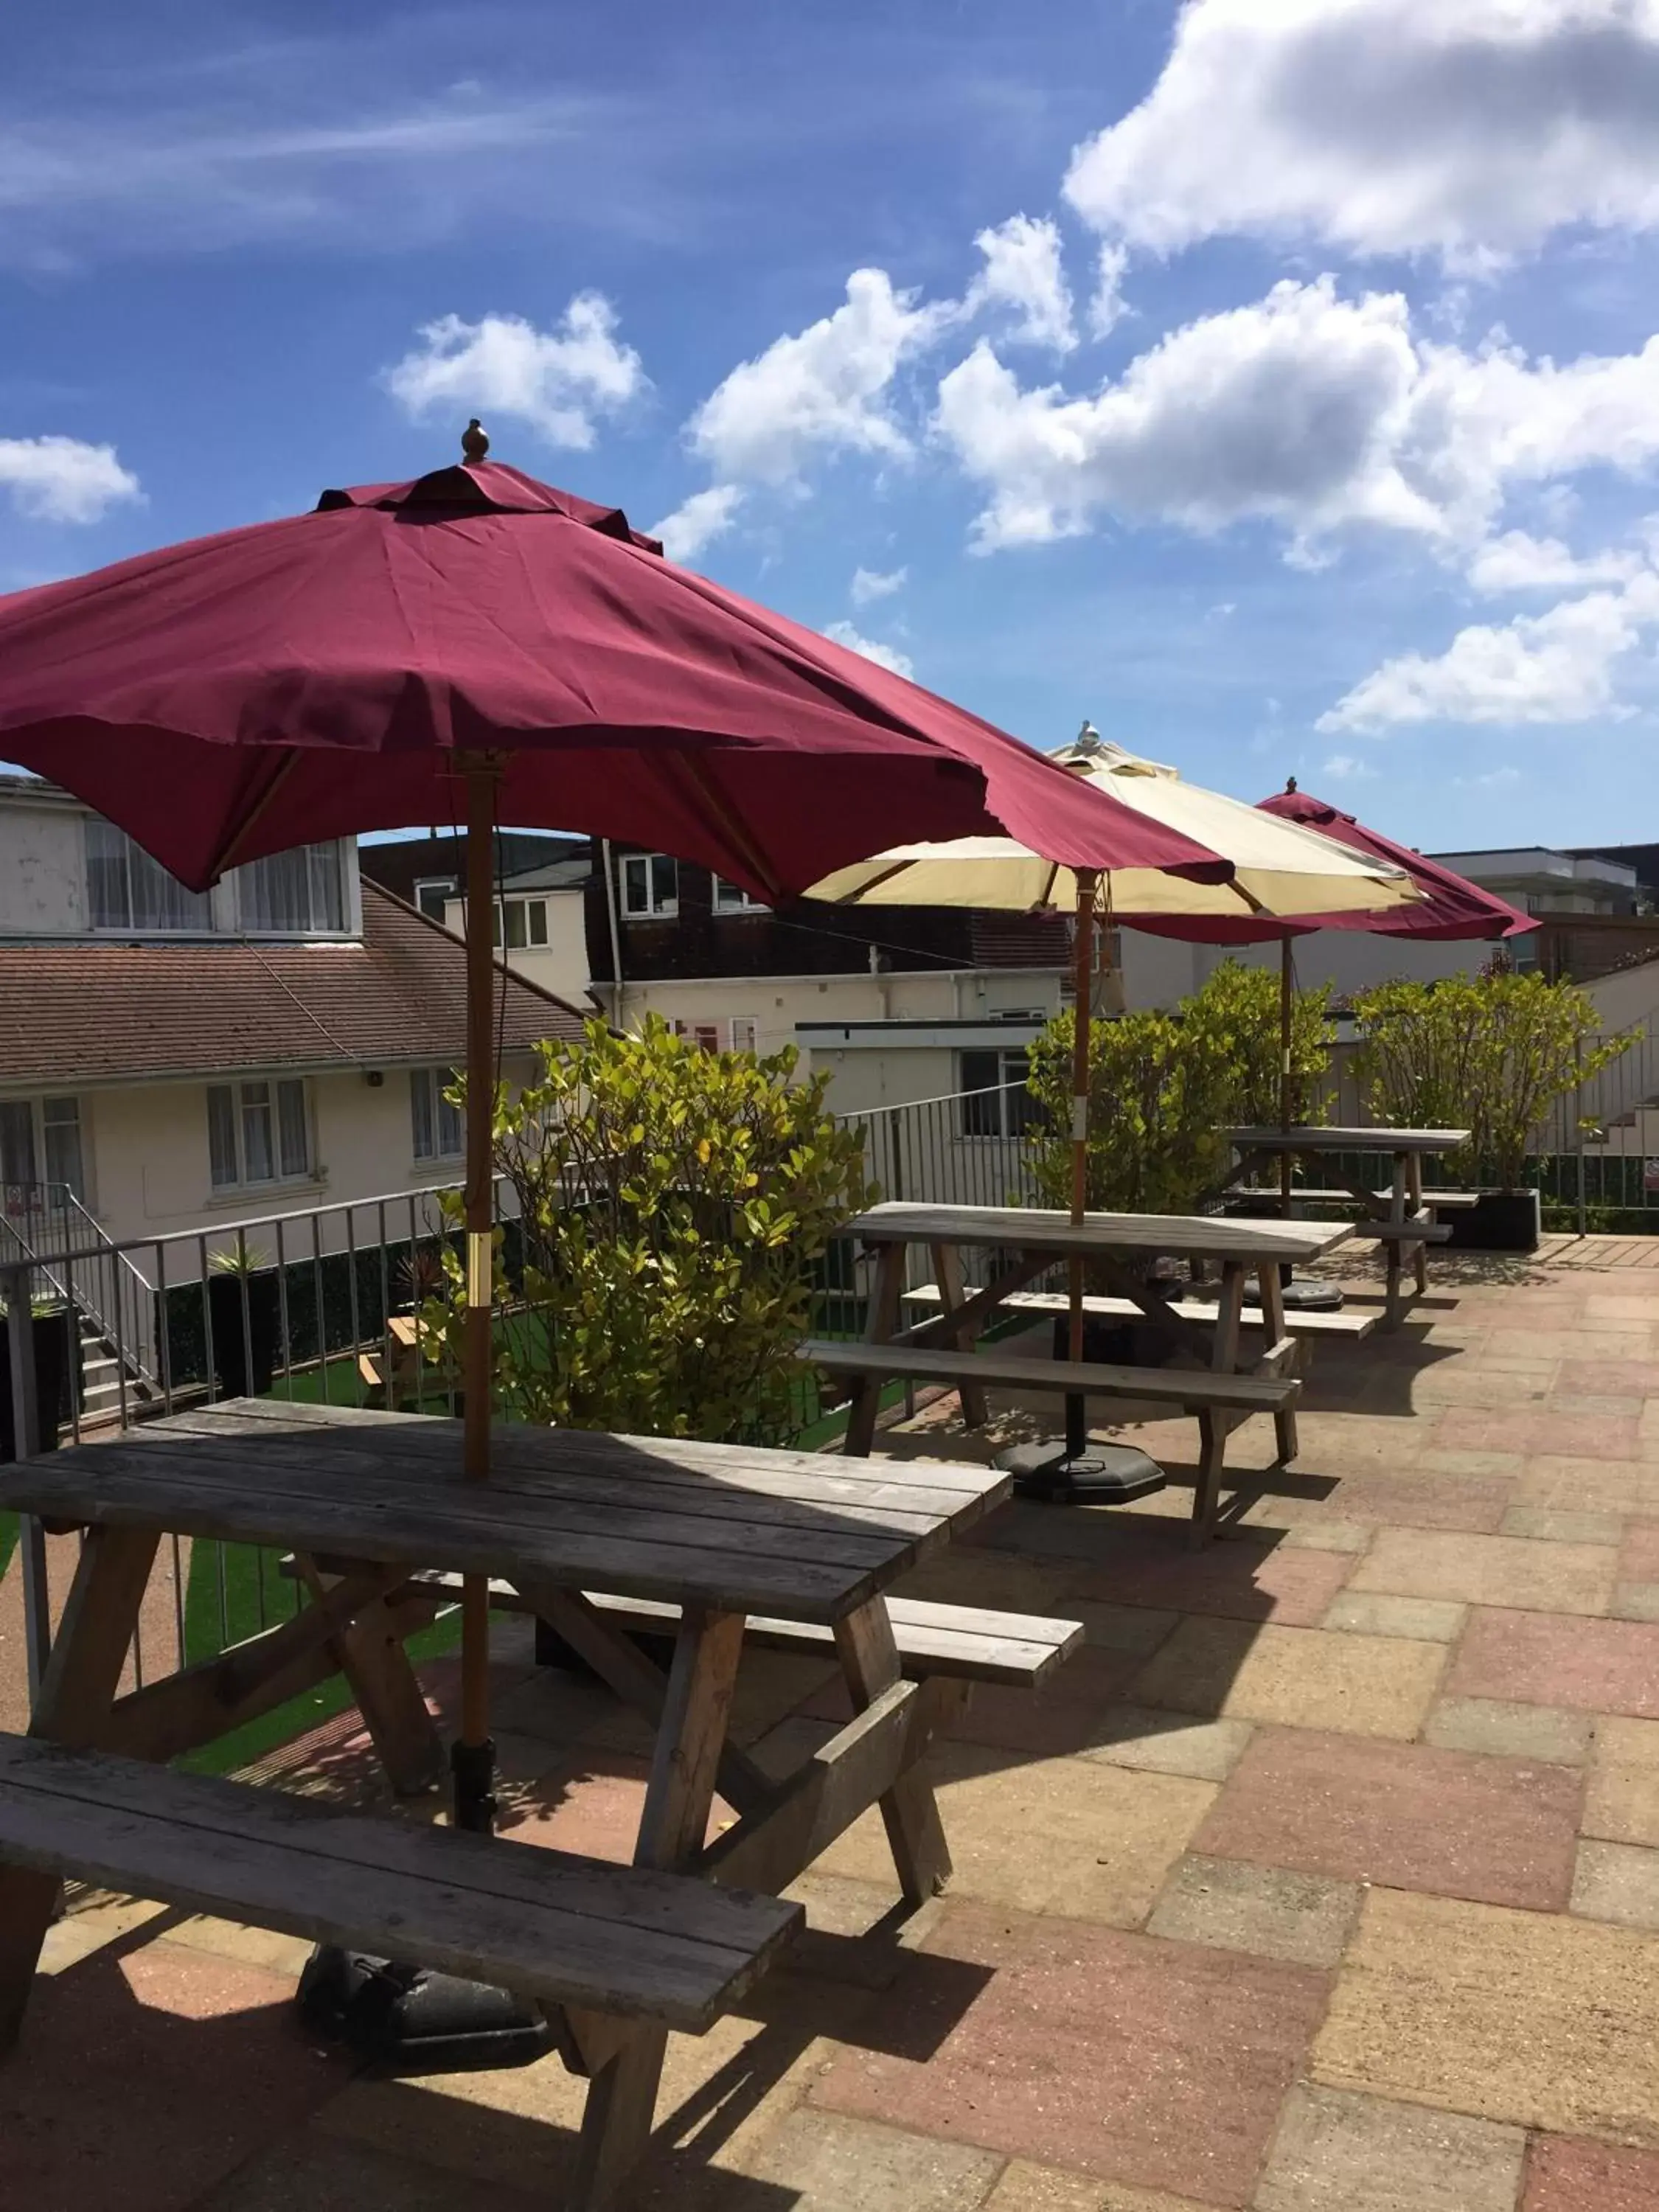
x=622 y=1950
x=1436 y=1201
x=1194 y=1389
x=1404 y=1232
x=1199 y=1310
x=1016 y=1650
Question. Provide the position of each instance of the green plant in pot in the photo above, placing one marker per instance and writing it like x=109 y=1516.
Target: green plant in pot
x=1492 y=1054
x=245 y=1307
x=673 y=1205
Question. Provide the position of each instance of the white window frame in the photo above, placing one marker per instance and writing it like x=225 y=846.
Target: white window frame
x=134 y=855
x=40 y=1120
x=447 y=884
x=243 y=1103
x=527 y=901
x=994 y=1101
x=732 y=898
x=653 y=908
x=287 y=934
x=442 y=1118
x=715 y=1033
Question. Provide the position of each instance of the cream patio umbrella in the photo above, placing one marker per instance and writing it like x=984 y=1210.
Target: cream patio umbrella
x=1278 y=868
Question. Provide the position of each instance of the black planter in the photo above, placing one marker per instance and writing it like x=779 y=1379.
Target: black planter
x=1498 y=1221
x=54 y=1379
x=245 y=1360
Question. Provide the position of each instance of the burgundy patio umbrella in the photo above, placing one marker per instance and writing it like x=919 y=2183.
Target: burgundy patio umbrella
x=477 y=643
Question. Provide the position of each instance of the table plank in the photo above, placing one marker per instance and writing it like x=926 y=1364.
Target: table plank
x=1036 y=1229
x=1303 y=1137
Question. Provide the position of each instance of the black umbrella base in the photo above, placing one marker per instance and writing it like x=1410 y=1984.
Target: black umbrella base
x=1099 y=1474
x=1311 y=1296
x=415 y=2021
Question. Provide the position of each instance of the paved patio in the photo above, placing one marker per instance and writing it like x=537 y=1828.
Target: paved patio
x=1325 y=1880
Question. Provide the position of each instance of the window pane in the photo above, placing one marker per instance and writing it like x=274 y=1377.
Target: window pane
x=327 y=887
x=743 y=1033
x=107 y=876
x=276 y=893
x=431 y=897
x=160 y=901
x=664 y=882
x=515 y=930
x=452 y=1136
x=420 y=1110
x=16 y=1141
x=635 y=880
x=536 y=915
x=221 y=1135
x=258 y=1153
x=60 y=1122
x=294 y=1131
x=982 y=1108
x=1018 y=1107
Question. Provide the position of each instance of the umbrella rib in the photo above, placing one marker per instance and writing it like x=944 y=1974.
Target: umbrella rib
x=224 y=856
x=689 y=765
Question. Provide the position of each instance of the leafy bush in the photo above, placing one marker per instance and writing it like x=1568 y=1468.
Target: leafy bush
x=674 y=1204
x=1164 y=1087
x=1490 y=1053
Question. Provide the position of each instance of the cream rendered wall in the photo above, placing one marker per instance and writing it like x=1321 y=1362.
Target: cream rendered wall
x=1159 y=970
x=561 y=965
x=146 y=1146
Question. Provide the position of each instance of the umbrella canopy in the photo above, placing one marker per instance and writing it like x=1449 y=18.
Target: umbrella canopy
x=1277 y=867
x=478 y=641
x=317 y=676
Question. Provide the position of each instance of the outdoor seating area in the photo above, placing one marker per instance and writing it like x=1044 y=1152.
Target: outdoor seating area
x=1323 y=1862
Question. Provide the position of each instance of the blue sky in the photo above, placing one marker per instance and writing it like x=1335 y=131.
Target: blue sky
x=1268 y=384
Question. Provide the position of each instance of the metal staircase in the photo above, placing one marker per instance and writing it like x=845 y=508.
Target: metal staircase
x=75 y=1263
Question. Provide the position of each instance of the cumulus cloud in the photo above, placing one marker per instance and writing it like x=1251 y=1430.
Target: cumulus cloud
x=1108 y=308
x=1347 y=768
x=823 y=389
x=698 y=522
x=884 y=656
x=1555 y=667
x=1519 y=563
x=871 y=584
x=1023 y=271
x=559 y=380
x=1307 y=408
x=1472 y=129
x=63 y=480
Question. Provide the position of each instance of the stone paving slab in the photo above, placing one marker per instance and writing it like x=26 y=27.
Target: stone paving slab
x=1563 y=2176
x=1300 y=1677
x=1338 y=2152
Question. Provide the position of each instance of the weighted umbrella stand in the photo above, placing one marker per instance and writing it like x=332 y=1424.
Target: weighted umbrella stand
x=1080 y=1472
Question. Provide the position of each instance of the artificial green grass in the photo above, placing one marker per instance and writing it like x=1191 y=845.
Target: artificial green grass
x=8 y=1539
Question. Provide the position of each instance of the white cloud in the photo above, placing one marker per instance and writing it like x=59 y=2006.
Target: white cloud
x=1347 y=768
x=1023 y=271
x=1318 y=411
x=823 y=389
x=698 y=522
x=871 y=584
x=884 y=656
x=1471 y=128
x=1553 y=668
x=558 y=380
x=1519 y=563
x=1108 y=308
x=63 y=480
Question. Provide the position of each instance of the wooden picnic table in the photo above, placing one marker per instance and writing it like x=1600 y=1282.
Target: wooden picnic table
x=367 y=1500
x=1027 y=1241
x=1397 y=1216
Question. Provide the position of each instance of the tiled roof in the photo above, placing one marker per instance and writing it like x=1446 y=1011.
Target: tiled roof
x=1020 y=940
x=94 y=1011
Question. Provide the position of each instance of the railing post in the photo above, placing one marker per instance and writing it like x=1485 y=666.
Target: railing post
x=1578 y=1103
x=17 y=1288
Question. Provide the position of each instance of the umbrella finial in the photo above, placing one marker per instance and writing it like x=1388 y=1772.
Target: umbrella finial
x=1088 y=739
x=1290 y=783
x=475 y=441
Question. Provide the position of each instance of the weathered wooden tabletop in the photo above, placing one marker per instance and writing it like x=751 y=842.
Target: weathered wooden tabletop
x=789 y=1535
x=1308 y=1137
x=1037 y=1228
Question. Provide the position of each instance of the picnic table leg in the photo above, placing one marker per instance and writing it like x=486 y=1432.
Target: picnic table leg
x=1393 y=1305
x=881 y=1327
x=1414 y=1201
x=1272 y=1317
x=370 y=1650
x=870 y=1661
x=1215 y=1422
x=947 y=1269
x=76 y=1693
x=622 y=2095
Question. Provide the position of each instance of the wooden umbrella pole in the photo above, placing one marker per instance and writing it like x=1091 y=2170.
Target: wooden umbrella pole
x=474 y=1755
x=1285 y=1071
x=1083 y=989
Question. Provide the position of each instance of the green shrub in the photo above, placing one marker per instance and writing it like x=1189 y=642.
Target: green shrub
x=1490 y=1053
x=1164 y=1087
x=674 y=1205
